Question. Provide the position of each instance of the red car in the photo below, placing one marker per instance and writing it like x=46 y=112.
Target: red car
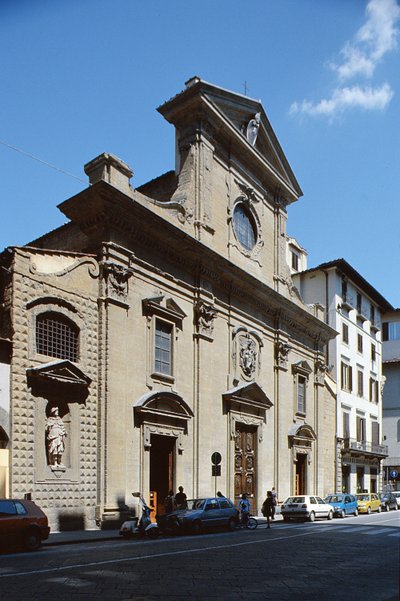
x=22 y=523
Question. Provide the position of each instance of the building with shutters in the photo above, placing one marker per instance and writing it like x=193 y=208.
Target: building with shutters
x=354 y=308
x=160 y=325
x=391 y=397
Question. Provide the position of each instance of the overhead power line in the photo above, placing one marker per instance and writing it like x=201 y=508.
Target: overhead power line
x=32 y=156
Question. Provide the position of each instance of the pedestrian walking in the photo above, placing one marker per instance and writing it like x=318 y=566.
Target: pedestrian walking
x=244 y=508
x=267 y=508
x=180 y=499
x=275 y=499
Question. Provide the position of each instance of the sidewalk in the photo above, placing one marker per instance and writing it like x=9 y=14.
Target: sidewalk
x=80 y=536
x=89 y=536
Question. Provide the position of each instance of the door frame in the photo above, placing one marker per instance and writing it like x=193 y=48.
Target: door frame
x=252 y=421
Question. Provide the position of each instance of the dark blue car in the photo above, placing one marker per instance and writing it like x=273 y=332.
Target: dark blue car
x=343 y=504
x=201 y=514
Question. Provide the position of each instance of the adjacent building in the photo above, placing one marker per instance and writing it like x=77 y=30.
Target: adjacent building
x=354 y=308
x=391 y=397
x=160 y=325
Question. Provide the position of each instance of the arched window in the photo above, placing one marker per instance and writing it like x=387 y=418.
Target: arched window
x=244 y=226
x=57 y=336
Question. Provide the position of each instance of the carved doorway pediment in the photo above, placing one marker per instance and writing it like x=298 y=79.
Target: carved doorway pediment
x=248 y=394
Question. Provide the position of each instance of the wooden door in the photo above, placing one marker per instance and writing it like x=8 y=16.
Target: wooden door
x=246 y=463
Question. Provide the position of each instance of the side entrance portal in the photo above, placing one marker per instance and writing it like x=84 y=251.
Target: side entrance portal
x=162 y=452
x=301 y=462
x=245 y=463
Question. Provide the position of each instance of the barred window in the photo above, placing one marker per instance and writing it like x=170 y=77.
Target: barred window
x=57 y=336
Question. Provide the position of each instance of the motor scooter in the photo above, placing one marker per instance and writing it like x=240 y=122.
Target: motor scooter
x=140 y=526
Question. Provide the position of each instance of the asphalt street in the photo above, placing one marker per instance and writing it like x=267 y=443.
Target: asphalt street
x=355 y=559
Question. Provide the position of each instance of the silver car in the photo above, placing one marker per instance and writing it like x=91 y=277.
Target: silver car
x=306 y=507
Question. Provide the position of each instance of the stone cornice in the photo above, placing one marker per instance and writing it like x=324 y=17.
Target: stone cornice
x=102 y=211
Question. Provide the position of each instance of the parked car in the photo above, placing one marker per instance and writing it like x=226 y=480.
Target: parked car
x=22 y=523
x=388 y=501
x=204 y=513
x=343 y=504
x=368 y=501
x=307 y=507
x=396 y=493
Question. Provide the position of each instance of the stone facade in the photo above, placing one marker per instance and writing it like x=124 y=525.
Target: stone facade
x=191 y=337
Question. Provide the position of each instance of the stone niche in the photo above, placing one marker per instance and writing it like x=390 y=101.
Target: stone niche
x=60 y=388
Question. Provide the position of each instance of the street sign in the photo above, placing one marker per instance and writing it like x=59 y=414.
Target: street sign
x=393 y=474
x=216 y=458
x=216 y=470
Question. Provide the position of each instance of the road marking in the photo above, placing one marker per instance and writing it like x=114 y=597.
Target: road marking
x=373 y=532
x=154 y=556
x=360 y=528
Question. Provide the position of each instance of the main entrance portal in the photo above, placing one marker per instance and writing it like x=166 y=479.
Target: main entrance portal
x=245 y=463
x=162 y=453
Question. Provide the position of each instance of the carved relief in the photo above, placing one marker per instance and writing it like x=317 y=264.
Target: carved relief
x=149 y=429
x=246 y=353
x=205 y=315
x=320 y=369
x=117 y=277
x=281 y=354
x=247 y=356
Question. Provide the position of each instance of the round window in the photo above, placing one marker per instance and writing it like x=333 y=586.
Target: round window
x=244 y=226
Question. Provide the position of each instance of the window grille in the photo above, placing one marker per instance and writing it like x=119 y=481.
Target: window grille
x=57 y=336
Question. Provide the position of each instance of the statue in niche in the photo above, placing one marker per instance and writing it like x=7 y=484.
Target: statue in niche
x=248 y=356
x=55 y=437
x=252 y=129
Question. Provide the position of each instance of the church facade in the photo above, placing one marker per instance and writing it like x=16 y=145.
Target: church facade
x=157 y=338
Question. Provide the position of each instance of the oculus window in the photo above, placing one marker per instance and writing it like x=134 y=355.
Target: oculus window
x=244 y=227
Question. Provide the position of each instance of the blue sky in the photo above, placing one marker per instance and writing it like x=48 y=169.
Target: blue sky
x=81 y=77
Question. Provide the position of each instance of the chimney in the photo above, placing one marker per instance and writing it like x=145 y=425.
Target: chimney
x=109 y=168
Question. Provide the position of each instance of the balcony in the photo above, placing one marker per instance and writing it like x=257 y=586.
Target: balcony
x=375 y=326
x=347 y=302
x=361 y=312
x=363 y=447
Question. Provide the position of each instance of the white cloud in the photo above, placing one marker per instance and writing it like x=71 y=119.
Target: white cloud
x=367 y=98
x=372 y=42
x=374 y=39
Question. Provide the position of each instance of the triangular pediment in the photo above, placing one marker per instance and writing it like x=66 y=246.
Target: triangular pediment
x=63 y=371
x=239 y=114
x=164 y=307
x=228 y=110
x=248 y=393
x=302 y=368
